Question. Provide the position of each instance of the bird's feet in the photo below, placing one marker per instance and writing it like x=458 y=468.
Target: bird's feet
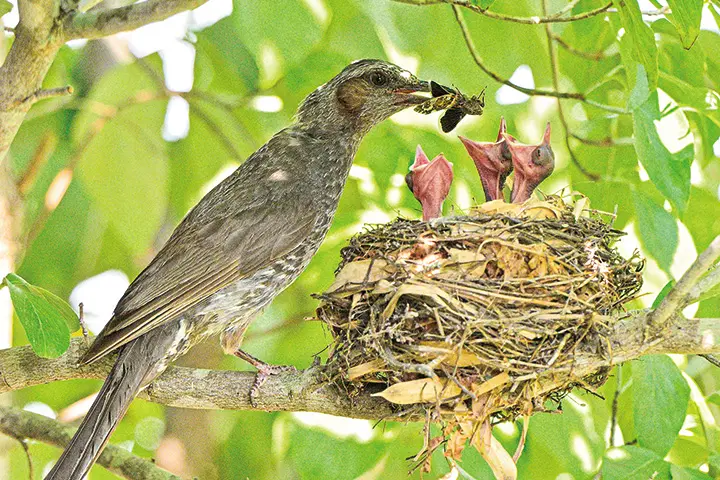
x=264 y=371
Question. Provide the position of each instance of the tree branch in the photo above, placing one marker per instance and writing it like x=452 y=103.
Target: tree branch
x=27 y=425
x=558 y=17
x=108 y=22
x=681 y=294
x=308 y=391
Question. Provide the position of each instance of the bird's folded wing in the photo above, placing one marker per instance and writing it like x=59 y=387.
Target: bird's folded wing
x=199 y=260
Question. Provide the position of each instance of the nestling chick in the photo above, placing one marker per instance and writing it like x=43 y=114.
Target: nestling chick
x=430 y=182
x=532 y=163
x=492 y=160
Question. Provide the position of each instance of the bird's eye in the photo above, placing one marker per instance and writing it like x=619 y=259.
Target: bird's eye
x=378 y=79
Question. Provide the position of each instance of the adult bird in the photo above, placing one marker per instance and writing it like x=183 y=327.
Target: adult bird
x=239 y=247
x=493 y=161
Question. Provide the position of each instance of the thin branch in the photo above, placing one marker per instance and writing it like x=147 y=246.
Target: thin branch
x=555 y=69
x=615 y=403
x=42 y=154
x=556 y=18
x=27 y=425
x=108 y=22
x=604 y=142
x=595 y=56
x=528 y=91
x=681 y=294
x=712 y=359
x=42 y=94
x=705 y=284
x=478 y=60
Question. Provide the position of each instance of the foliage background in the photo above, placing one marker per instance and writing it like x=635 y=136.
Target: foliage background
x=131 y=174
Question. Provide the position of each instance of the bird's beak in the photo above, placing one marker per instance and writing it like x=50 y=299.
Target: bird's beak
x=408 y=94
x=528 y=173
x=490 y=162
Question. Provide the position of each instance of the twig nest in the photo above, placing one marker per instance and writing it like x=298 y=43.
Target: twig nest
x=478 y=318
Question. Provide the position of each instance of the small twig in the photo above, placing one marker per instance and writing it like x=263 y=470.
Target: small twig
x=595 y=56
x=554 y=68
x=603 y=142
x=680 y=295
x=615 y=403
x=9 y=29
x=214 y=127
x=81 y=320
x=43 y=94
x=478 y=60
x=26 y=447
x=705 y=284
x=712 y=359
x=42 y=154
x=556 y=18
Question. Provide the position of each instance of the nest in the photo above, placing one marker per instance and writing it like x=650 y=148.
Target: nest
x=466 y=317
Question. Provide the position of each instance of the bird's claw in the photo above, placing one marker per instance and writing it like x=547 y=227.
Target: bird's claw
x=265 y=371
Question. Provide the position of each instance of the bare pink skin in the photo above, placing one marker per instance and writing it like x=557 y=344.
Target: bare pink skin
x=492 y=160
x=533 y=164
x=430 y=182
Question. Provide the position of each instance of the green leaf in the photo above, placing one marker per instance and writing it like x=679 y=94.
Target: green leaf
x=657 y=230
x=638 y=88
x=663 y=293
x=715 y=13
x=278 y=37
x=5 y=7
x=123 y=167
x=670 y=172
x=703 y=100
x=631 y=462
x=714 y=398
x=643 y=47
x=686 y=15
x=44 y=319
x=660 y=402
x=684 y=473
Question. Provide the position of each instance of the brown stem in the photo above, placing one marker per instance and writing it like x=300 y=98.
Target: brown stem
x=556 y=18
x=555 y=69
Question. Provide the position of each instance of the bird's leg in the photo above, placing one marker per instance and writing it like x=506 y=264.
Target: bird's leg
x=264 y=371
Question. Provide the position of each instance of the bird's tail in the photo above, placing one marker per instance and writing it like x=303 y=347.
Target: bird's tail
x=135 y=367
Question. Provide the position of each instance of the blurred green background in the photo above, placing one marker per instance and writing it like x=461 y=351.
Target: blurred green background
x=161 y=114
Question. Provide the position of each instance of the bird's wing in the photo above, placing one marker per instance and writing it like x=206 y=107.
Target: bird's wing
x=205 y=254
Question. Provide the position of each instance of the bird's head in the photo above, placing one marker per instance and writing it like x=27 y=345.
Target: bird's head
x=533 y=164
x=364 y=94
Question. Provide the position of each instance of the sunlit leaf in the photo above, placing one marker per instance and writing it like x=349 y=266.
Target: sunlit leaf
x=685 y=473
x=660 y=402
x=657 y=230
x=643 y=40
x=663 y=293
x=5 y=7
x=686 y=15
x=42 y=315
x=634 y=462
x=670 y=172
x=277 y=34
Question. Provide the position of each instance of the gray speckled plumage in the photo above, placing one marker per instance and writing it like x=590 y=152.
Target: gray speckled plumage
x=244 y=242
